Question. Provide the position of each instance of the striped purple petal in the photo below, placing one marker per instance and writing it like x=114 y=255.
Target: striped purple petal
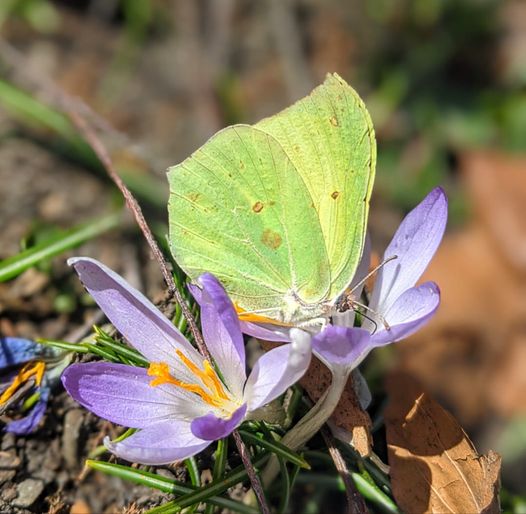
x=409 y=313
x=341 y=348
x=133 y=315
x=162 y=443
x=16 y=350
x=122 y=394
x=221 y=331
x=29 y=423
x=414 y=244
x=267 y=332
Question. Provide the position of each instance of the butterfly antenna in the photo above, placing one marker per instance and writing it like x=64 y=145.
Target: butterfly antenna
x=371 y=320
x=375 y=313
x=372 y=272
x=346 y=301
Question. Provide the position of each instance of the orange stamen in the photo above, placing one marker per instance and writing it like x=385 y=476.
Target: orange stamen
x=35 y=369
x=161 y=371
x=208 y=376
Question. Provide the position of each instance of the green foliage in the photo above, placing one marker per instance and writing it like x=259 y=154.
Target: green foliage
x=56 y=245
x=41 y=15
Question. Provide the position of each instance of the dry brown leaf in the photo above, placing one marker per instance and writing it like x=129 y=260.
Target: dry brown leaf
x=434 y=466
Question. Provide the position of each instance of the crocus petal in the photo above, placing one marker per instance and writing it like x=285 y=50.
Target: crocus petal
x=15 y=350
x=341 y=348
x=414 y=244
x=221 y=332
x=135 y=317
x=278 y=369
x=162 y=443
x=211 y=428
x=409 y=313
x=123 y=394
x=267 y=332
x=29 y=423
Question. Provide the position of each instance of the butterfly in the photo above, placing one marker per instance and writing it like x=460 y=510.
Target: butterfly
x=278 y=210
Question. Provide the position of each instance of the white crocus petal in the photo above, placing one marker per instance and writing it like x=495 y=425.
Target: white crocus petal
x=278 y=369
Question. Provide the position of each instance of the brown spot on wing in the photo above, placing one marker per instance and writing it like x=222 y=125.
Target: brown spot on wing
x=271 y=239
x=335 y=195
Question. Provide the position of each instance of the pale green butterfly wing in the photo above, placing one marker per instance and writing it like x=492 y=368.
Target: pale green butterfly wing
x=240 y=210
x=330 y=139
x=278 y=211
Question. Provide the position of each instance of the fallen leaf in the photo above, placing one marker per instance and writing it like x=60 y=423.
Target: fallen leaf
x=434 y=466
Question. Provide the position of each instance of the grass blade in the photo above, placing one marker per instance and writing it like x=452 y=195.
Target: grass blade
x=13 y=266
x=107 y=342
x=165 y=484
x=237 y=475
x=220 y=456
x=276 y=447
x=55 y=129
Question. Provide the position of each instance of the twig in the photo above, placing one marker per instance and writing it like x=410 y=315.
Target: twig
x=355 y=501
x=252 y=475
x=76 y=335
x=132 y=204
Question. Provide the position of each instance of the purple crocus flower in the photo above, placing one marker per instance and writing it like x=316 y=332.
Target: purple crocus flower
x=180 y=403
x=16 y=351
x=397 y=307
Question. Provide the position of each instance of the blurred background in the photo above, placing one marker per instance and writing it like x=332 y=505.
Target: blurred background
x=444 y=81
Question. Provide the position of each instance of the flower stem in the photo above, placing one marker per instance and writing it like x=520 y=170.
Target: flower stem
x=309 y=424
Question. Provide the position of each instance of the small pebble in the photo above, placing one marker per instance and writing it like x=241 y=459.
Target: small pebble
x=8 y=441
x=70 y=438
x=6 y=475
x=28 y=492
x=9 y=460
x=8 y=494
